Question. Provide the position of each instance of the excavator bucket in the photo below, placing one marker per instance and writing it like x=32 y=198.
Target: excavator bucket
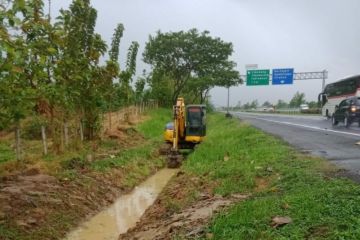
x=174 y=159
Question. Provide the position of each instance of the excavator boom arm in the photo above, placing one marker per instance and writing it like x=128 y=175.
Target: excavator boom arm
x=179 y=122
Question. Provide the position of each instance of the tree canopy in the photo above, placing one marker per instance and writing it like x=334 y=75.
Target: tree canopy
x=191 y=62
x=297 y=100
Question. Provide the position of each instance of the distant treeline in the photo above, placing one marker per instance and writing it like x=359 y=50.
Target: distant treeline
x=295 y=102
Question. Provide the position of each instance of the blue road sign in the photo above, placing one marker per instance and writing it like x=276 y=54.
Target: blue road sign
x=282 y=76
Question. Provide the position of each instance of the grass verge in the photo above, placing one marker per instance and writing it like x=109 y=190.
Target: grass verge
x=237 y=158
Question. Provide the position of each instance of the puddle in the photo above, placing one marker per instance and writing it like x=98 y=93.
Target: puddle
x=125 y=212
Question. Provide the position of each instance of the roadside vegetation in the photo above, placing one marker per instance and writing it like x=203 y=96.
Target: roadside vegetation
x=281 y=181
x=44 y=198
x=59 y=77
x=69 y=139
x=283 y=194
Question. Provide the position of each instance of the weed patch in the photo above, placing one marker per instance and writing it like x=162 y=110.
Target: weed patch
x=6 y=153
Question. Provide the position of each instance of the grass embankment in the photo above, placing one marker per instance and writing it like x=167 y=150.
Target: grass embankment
x=38 y=206
x=237 y=158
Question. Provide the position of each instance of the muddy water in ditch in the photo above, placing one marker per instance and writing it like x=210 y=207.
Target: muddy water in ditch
x=125 y=212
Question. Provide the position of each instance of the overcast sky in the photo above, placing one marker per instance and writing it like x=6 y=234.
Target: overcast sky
x=307 y=35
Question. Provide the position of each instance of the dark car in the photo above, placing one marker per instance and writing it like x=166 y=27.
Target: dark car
x=348 y=111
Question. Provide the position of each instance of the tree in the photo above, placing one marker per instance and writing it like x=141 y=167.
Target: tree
x=122 y=89
x=115 y=44
x=140 y=88
x=267 y=104
x=79 y=68
x=246 y=106
x=297 y=100
x=161 y=87
x=113 y=69
x=254 y=104
x=192 y=62
x=313 y=104
x=22 y=61
x=281 y=104
x=126 y=76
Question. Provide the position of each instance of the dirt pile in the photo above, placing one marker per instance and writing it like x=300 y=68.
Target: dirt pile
x=121 y=127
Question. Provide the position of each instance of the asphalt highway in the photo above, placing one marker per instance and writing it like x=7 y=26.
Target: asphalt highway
x=314 y=135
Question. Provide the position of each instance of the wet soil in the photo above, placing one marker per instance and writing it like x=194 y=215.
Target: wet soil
x=125 y=212
x=183 y=209
x=31 y=203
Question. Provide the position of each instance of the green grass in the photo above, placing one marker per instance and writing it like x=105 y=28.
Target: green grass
x=298 y=186
x=152 y=131
x=138 y=161
x=6 y=153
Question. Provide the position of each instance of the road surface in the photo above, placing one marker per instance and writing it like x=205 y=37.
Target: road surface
x=314 y=135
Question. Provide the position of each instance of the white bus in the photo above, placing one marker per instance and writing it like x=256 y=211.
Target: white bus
x=335 y=92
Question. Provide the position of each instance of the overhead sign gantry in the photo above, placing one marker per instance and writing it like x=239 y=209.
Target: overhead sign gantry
x=282 y=76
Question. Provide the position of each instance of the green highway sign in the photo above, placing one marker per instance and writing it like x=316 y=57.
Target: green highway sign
x=257 y=77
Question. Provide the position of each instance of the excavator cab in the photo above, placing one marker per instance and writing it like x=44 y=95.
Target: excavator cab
x=195 y=128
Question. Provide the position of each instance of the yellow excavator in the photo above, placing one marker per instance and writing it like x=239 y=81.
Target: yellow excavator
x=187 y=129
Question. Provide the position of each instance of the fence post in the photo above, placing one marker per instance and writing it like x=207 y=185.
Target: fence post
x=43 y=137
x=81 y=131
x=66 y=134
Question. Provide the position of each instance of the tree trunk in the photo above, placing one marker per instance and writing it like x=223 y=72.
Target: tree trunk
x=201 y=98
x=66 y=134
x=44 y=141
x=17 y=142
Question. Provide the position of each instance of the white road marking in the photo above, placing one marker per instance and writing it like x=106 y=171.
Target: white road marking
x=317 y=118
x=307 y=126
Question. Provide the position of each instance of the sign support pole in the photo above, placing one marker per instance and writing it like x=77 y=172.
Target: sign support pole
x=228 y=99
x=323 y=80
x=228 y=115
